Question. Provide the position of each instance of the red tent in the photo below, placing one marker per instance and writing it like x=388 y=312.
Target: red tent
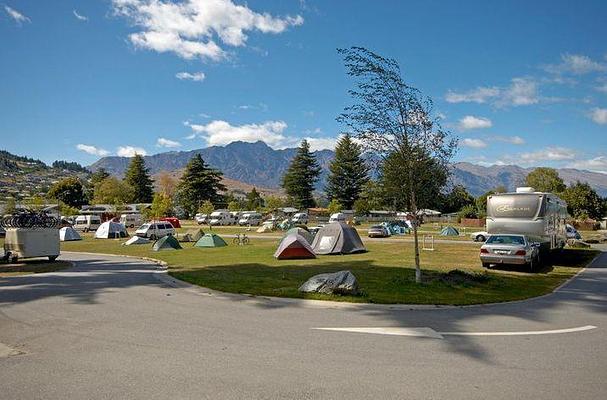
x=173 y=221
x=294 y=246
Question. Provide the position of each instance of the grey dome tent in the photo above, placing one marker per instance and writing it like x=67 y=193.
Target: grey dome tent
x=167 y=242
x=192 y=235
x=210 y=240
x=337 y=238
x=67 y=234
x=111 y=230
x=136 y=240
x=449 y=231
x=302 y=232
x=294 y=246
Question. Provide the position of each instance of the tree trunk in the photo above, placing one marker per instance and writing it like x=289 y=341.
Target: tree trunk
x=418 y=271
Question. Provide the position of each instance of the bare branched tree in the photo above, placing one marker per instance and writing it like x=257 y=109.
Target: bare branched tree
x=393 y=119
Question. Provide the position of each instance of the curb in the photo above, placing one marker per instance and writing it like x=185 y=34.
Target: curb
x=164 y=277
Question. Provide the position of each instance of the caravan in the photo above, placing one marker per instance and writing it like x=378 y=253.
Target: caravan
x=86 y=223
x=131 y=220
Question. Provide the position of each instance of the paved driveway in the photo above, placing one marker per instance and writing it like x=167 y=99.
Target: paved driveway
x=109 y=328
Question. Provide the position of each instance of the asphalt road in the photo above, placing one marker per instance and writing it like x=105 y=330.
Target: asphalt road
x=110 y=329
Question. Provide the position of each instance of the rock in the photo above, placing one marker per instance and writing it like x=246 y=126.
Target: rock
x=341 y=282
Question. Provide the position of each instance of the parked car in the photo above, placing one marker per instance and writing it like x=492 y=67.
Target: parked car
x=86 y=223
x=572 y=233
x=378 y=231
x=131 y=220
x=250 y=219
x=201 y=218
x=155 y=230
x=337 y=217
x=510 y=249
x=479 y=236
x=220 y=218
x=173 y=221
x=300 y=218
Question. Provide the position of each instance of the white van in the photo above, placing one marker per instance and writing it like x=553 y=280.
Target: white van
x=155 y=230
x=337 y=217
x=300 y=218
x=131 y=220
x=236 y=215
x=250 y=219
x=200 y=218
x=86 y=223
x=220 y=218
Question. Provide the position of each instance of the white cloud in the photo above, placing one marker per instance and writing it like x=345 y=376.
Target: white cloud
x=548 y=154
x=597 y=164
x=520 y=92
x=96 y=151
x=479 y=95
x=18 y=17
x=602 y=87
x=196 y=76
x=575 y=64
x=221 y=132
x=259 y=106
x=599 y=115
x=190 y=28
x=509 y=139
x=162 y=142
x=474 y=143
x=471 y=122
x=80 y=16
x=130 y=151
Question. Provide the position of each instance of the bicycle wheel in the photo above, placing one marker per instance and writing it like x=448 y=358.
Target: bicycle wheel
x=245 y=240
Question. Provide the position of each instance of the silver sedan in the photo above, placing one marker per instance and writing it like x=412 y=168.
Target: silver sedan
x=510 y=249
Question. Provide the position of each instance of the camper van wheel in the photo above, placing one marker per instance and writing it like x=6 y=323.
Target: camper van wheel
x=52 y=258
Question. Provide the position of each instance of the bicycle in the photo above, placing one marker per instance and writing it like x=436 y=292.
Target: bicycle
x=241 y=239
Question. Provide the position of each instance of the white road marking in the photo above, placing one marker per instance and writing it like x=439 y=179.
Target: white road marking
x=419 y=332
x=431 y=333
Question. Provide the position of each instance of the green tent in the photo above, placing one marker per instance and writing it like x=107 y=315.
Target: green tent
x=449 y=231
x=167 y=242
x=210 y=240
x=302 y=232
x=192 y=235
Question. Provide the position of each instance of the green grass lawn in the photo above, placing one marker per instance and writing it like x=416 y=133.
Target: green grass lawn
x=385 y=273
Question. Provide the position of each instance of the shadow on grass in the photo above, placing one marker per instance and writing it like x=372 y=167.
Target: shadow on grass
x=33 y=266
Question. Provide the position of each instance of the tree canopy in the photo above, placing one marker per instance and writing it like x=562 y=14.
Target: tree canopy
x=348 y=173
x=112 y=191
x=70 y=191
x=301 y=176
x=198 y=183
x=583 y=201
x=544 y=179
x=137 y=176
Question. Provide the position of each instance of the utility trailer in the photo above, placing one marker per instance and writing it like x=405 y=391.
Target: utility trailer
x=31 y=242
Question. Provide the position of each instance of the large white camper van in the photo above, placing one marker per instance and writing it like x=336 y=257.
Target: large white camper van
x=538 y=215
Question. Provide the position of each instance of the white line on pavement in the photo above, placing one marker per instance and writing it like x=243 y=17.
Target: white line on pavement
x=431 y=333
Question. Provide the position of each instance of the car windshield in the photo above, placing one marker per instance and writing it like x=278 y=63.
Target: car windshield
x=144 y=226
x=506 y=239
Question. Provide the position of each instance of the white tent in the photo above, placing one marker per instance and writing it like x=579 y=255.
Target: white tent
x=68 y=233
x=111 y=230
x=136 y=240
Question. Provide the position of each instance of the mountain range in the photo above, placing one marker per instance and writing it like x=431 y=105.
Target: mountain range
x=259 y=165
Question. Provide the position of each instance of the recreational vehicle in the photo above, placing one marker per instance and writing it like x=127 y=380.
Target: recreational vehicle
x=220 y=217
x=252 y=218
x=537 y=215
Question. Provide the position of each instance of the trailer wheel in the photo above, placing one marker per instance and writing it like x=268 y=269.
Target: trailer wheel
x=52 y=258
x=14 y=259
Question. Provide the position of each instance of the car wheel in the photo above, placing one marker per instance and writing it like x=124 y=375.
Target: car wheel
x=153 y=237
x=481 y=238
x=486 y=265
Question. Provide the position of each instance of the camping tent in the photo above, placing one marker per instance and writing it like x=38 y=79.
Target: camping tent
x=192 y=235
x=111 y=230
x=266 y=227
x=302 y=232
x=68 y=233
x=294 y=246
x=136 y=240
x=210 y=240
x=449 y=231
x=167 y=242
x=337 y=238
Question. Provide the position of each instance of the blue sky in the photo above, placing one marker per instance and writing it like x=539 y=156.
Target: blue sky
x=518 y=82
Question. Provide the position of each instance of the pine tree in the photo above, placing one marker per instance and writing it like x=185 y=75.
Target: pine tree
x=198 y=183
x=348 y=173
x=301 y=176
x=138 y=178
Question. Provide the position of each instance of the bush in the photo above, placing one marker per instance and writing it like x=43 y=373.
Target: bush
x=468 y=211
